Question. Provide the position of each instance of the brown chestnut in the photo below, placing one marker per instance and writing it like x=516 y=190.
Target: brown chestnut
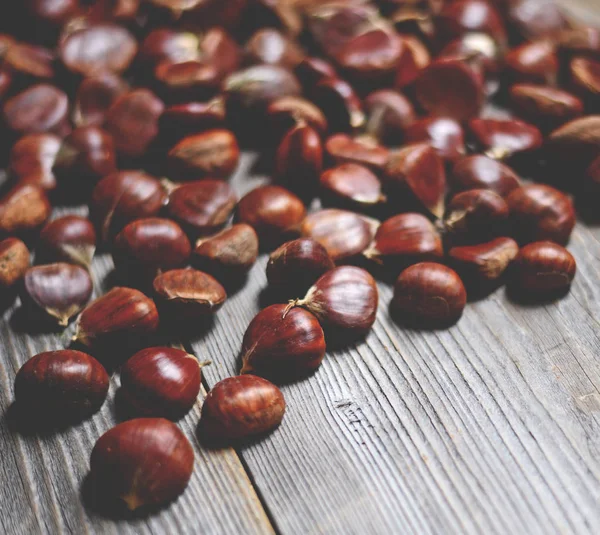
x=24 y=209
x=283 y=343
x=469 y=16
x=539 y=212
x=147 y=246
x=143 y=462
x=502 y=138
x=533 y=62
x=178 y=82
x=344 y=300
x=56 y=291
x=480 y=172
x=429 y=293
x=340 y=104
x=95 y=96
x=161 y=382
x=535 y=19
x=32 y=159
x=188 y=294
x=214 y=153
x=543 y=269
x=70 y=238
x=122 y=313
x=60 y=384
x=202 y=207
x=341 y=148
x=29 y=63
x=444 y=134
x=228 y=254
x=269 y=46
x=351 y=185
x=389 y=114
x=181 y=120
x=287 y=112
x=344 y=234
x=573 y=146
x=241 y=406
x=312 y=70
x=14 y=262
x=123 y=197
x=272 y=211
x=297 y=265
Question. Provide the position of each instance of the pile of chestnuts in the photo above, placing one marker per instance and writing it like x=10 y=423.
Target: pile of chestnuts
x=387 y=160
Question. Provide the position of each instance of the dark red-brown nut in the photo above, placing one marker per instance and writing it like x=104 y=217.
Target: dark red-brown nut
x=445 y=135
x=188 y=294
x=181 y=120
x=414 y=59
x=114 y=10
x=295 y=266
x=340 y=104
x=389 y=114
x=299 y=160
x=184 y=81
x=147 y=246
x=546 y=107
x=287 y=112
x=502 y=138
x=6 y=81
x=485 y=262
x=229 y=254
x=481 y=172
x=282 y=343
x=450 y=88
x=32 y=159
x=416 y=173
x=470 y=16
x=429 y=293
x=174 y=9
x=572 y=147
x=56 y=292
x=591 y=183
x=95 y=96
x=24 y=209
x=87 y=152
x=582 y=40
x=273 y=212
x=14 y=262
x=29 y=63
x=161 y=381
x=121 y=314
x=344 y=234
x=167 y=44
x=543 y=269
x=51 y=15
x=344 y=300
x=97 y=48
x=241 y=406
x=202 y=207
x=481 y=52
x=269 y=46
x=143 y=462
x=310 y=71
x=132 y=120
x=534 y=19
x=220 y=49
x=539 y=212
x=341 y=148
x=70 y=238
x=584 y=74
x=351 y=186
x=533 y=62
x=123 y=197
x=476 y=215
x=214 y=153
x=40 y=108
x=61 y=384
x=405 y=239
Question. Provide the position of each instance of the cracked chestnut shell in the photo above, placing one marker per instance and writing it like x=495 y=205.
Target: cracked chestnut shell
x=161 y=382
x=143 y=462
x=56 y=291
x=64 y=383
x=14 y=262
x=70 y=238
x=484 y=262
x=241 y=406
x=283 y=343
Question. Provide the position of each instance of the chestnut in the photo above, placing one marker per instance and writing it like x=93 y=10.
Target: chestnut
x=340 y=104
x=122 y=313
x=14 y=262
x=202 y=207
x=272 y=211
x=29 y=63
x=414 y=59
x=502 y=138
x=405 y=239
x=122 y=197
x=341 y=148
x=147 y=246
x=389 y=114
x=539 y=212
x=95 y=95
x=282 y=343
x=296 y=265
x=287 y=112
x=70 y=238
x=344 y=234
x=481 y=172
x=188 y=294
x=181 y=120
x=416 y=173
x=32 y=158
x=344 y=300
x=584 y=74
x=143 y=462
x=312 y=70
x=574 y=145
x=470 y=16
x=534 y=19
x=161 y=382
x=444 y=134
x=228 y=254
x=269 y=46
x=533 y=62
x=56 y=291
x=61 y=384
x=543 y=269
x=166 y=44
x=24 y=209
x=353 y=186
x=214 y=153
x=178 y=82
x=242 y=406
x=429 y=294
